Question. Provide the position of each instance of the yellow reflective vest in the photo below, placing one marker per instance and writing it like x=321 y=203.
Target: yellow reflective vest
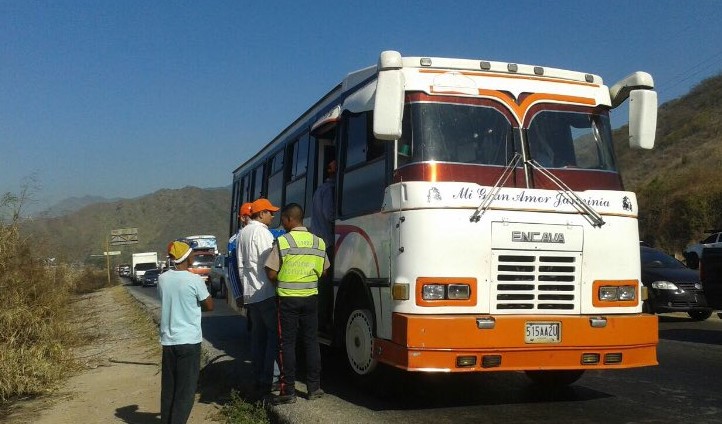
x=302 y=257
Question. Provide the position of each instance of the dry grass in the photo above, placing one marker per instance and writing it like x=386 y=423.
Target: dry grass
x=35 y=335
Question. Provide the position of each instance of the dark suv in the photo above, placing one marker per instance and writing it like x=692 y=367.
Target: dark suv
x=671 y=286
x=150 y=278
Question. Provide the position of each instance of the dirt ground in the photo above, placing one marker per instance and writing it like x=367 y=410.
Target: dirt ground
x=119 y=375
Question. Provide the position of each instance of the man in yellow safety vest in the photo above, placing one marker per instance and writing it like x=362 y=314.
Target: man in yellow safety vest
x=296 y=262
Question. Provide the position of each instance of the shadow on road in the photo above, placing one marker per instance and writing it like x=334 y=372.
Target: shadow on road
x=130 y=414
x=396 y=389
x=692 y=335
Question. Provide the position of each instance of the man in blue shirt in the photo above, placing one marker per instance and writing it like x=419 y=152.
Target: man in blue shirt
x=183 y=296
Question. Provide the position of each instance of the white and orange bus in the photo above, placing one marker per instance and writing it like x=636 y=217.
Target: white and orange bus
x=481 y=221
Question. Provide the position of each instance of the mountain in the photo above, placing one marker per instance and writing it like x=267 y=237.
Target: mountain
x=72 y=204
x=159 y=217
x=679 y=182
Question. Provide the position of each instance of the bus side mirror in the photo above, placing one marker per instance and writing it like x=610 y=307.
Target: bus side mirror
x=642 y=118
x=639 y=88
x=389 y=98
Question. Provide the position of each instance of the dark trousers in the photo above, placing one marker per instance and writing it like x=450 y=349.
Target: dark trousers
x=179 y=380
x=298 y=315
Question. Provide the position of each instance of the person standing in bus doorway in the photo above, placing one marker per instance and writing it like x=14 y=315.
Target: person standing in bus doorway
x=324 y=207
x=296 y=263
x=322 y=224
x=255 y=243
x=183 y=296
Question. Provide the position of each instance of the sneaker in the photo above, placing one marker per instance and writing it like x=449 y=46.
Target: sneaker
x=316 y=394
x=283 y=399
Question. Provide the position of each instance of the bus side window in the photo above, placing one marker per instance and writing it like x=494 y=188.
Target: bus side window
x=363 y=176
x=298 y=163
x=404 y=143
x=275 y=183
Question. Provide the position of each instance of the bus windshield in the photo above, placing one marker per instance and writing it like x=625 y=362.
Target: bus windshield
x=447 y=132
x=482 y=135
x=564 y=139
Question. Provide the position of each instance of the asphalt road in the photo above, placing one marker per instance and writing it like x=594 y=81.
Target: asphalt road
x=685 y=388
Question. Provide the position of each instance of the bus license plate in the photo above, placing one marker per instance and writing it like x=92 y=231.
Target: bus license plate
x=543 y=332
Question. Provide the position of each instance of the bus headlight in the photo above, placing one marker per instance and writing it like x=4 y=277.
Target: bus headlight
x=445 y=291
x=433 y=292
x=608 y=294
x=458 y=291
x=627 y=292
x=615 y=293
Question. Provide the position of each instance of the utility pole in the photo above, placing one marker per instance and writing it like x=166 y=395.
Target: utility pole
x=107 y=256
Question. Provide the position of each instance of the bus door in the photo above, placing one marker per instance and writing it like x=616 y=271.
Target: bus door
x=324 y=136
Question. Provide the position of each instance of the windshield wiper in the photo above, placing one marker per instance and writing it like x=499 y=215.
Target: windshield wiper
x=587 y=211
x=476 y=216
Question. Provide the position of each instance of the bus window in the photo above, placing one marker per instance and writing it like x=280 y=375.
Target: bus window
x=363 y=178
x=450 y=132
x=235 y=204
x=257 y=191
x=296 y=186
x=275 y=184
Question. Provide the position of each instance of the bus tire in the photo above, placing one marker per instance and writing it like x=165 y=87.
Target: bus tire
x=700 y=315
x=554 y=378
x=359 y=342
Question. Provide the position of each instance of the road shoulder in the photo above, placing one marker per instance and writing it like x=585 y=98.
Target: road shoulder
x=118 y=378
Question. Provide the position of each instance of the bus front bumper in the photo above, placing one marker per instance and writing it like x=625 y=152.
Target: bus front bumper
x=468 y=343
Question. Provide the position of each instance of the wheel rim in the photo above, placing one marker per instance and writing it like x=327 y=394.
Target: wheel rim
x=359 y=342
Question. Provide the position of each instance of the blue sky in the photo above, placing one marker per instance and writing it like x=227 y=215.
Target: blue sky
x=123 y=98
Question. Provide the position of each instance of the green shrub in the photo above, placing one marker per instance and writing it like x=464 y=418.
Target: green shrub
x=238 y=411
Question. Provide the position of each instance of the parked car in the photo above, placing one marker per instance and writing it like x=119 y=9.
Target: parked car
x=150 y=277
x=671 y=286
x=218 y=277
x=693 y=252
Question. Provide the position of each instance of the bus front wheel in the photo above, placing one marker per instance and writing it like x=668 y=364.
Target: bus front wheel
x=359 y=342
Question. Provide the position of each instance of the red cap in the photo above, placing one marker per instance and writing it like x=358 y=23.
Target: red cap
x=262 y=205
x=245 y=210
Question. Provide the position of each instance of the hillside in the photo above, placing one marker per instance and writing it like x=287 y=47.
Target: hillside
x=160 y=217
x=679 y=183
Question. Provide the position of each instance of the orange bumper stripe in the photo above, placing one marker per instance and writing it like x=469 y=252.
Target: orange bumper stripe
x=434 y=342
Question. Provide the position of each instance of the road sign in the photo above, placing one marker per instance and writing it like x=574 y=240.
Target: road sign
x=113 y=253
x=123 y=236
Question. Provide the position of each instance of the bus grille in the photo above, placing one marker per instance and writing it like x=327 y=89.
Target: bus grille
x=530 y=282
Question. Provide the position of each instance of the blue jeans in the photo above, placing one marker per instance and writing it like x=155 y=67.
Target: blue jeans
x=264 y=341
x=179 y=380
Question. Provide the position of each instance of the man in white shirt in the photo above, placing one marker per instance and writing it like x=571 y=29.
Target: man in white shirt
x=235 y=272
x=254 y=243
